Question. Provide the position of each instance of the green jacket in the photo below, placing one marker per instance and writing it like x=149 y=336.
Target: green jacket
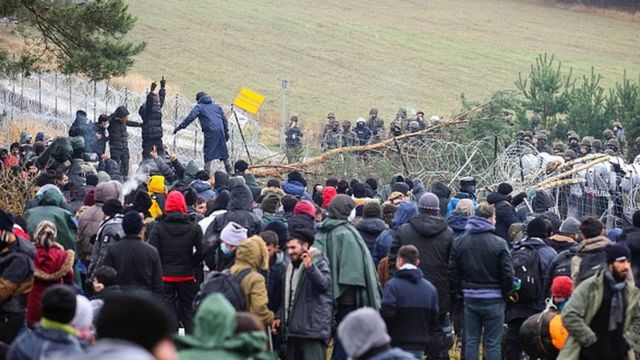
x=582 y=308
x=214 y=335
x=351 y=264
x=53 y=208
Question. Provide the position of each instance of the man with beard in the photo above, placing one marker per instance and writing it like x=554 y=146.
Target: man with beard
x=602 y=316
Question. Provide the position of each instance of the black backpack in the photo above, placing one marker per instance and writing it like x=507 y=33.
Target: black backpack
x=526 y=267
x=225 y=283
x=591 y=263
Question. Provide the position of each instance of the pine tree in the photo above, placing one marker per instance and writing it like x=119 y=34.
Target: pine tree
x=76 y=37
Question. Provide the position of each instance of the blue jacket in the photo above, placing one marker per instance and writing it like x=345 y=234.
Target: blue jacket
x=461 y=195
x=410 y=309
x=296 y=189
x=44 y=344
x=203 y=189
x=214 y=126
x=403 y=214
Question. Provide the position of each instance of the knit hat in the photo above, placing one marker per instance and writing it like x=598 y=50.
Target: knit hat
x=59 y=303
x=305 y=207
x=296 y=175
x=361 y=331
x=537 y=228
x=233 y=234
x=92 y=179
x=357 y=189
x=6 y=221
x=45 y=234
x=134 y=318
x=202 y=175
x=570 y=226
x=328 y=193
x=372 y=183
x=103 y=177
x=280 y=229
x=341 y=207
x=562 y=287
x=429 y=202
x=175 y=203
x=372 y=209
x=89 y=198
x=83 y=318
x=400 y=187
x=505 y=189
x=132 y=223
x=301 y=229
x=112 y=207
x=270 y=203
x=617 y=252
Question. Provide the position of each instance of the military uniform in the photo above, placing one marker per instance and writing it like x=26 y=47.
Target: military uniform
x=332 y=137
x=294 y=141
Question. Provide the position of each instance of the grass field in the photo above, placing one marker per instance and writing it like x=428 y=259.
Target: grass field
x=349 y=56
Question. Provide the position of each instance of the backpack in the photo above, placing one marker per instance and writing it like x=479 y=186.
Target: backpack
x=526 y=267
x=591 y=263
x=110 y=232
x=225 y=283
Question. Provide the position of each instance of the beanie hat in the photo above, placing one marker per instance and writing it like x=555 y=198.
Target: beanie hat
x=537 y=228
x=132 y=223
x=400 y=187
x=289 y=203
x=270 y=203
x=505 y=189
x=570 y=226
x=83 y=318
x=280 y=229
x=372 y=209
x=240 y=166
x=617 y=252
x=357 y=189
x=275 y=183
x=203 y=175
x=233 y=233
x=89 y=198
x=429 y=202
x=134 y=318
x=121 y=111
x=296 y=175
x=6 y=221
x=175 y=202
x=328 y=193
x=305 y=207
x=112 y=207
x=92 y=179
x=45 y=234
x=103 y=177
x=372 y=183
x=301 y=229
x=361 y=331
x=341 y=207
x=59 y=303
x=562 y=287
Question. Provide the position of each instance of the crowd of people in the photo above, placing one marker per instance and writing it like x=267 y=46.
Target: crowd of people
x=190 y=264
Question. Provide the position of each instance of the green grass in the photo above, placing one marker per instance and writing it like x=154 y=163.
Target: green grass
x=348 y=56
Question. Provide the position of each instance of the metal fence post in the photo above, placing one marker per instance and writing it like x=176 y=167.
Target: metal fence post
x=55 y=94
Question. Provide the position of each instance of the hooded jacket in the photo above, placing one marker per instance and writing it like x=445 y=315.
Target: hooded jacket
x=457 y=223
x=433 y=238
x=296 y=189
x=588 y=247
x=443 y=193
x=239 y=211
x=505 y=213
x=157 y=191
x=16 y=276
x=351 y=265
x=480 y=260
x=44 y=344
x=369 y=229
x=175 y=236
x=403 y=214
x=118 y=137
x=52 y=207
x=410 y=309
x=137 y=263
x=152 y=118
x=253 y=254
x=582 y=307
x=213 y=336
x=309 y=315
x=108 y=349
x=214 y=125
x=90 y=219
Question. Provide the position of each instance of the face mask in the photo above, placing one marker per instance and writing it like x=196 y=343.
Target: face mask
x=224 y=248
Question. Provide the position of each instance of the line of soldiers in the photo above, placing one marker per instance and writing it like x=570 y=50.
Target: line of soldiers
x=613 y=143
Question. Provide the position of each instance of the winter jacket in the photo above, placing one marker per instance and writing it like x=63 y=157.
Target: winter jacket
x=351 y=265
x=480 y=260
x=310 y=314
x=108 y=349
x=137 y=263
x=369 y=229
x=443 y=193
x=505 y=213
x=80 y=125
x=560 y=242
x=213 y=123
x=251 y=182
x=214 y=335
x=386 y=190
x=581 y=309
x=559 y=266
x=252 y=254
x=53 y=208
x=44 y=344
x=410 y=309
x=109 y=233
x=93 y=144
x=275 y=280
x=393 y=354
x=593 y=247
x=457 y=223
x=51 y=267
x=296 y=189
x=203 y=189
x=403 y=214
x=451 y=207
x=16 y=276
x=175 y=236
x=90 y=219
x=524 y=309
x=118 y=137
x=152 y=118
x=239 y=211
x=433 y=238
x=631 y=238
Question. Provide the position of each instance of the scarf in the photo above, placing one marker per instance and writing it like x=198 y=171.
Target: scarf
x=58 y=326
x=616 y=314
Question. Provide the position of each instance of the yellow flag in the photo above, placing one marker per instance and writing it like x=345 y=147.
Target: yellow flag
x=249 y=100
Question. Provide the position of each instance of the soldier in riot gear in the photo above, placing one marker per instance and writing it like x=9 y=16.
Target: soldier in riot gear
x=421 y=121
x=596 y=146
x=348 y=137
x=362 y=132
x=294 y=140
x=607 y=135
x=569 y=155
x=585 y=146
x=374 y=119
x=558 y=149
x=330 y=118
x=528 y=137
x=618 y=134
x=332 y=138
x=542 y=144
x=614 y=146
x=395 y=129
x=574 y=142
